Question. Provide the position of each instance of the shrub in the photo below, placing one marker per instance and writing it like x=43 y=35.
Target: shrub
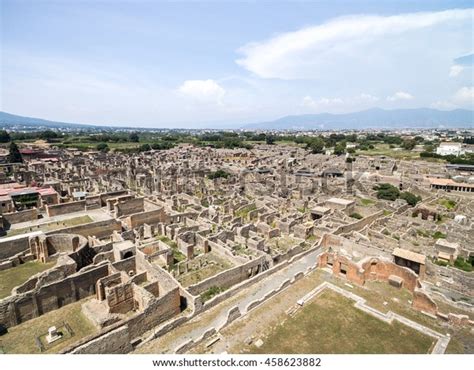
x=218 y=174
x=439 y=235
x=447 y=203
x=441 y=263
x=410 y=198
x=211 y=292
x=356 y=215
x=462 y=264
x=144 y=148
x=102 y=147
x=387 y=192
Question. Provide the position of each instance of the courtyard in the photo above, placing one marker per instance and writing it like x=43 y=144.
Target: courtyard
x=331 y=324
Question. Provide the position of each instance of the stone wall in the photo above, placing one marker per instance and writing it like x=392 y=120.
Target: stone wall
x=64 y=208
x=15 y=244
x=116 y=342
x=17 y=217
x=23 y=307
x=100 y=229
x=370 y=268
x=451 y=278
x=117 y=337
x=112 y=194
x=423 y=302
x=160 y=310
x=358 y=225
x=230 y=277
x=129 y=206
x=149 y=217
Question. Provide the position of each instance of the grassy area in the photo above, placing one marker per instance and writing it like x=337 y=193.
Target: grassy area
x=51 y=226
x=330 y=324
x=215 y=264
x=22 y=338
x=384 y=149
x=283 y=243
x=384 y=297
x=447 y=203
x=366 y=202
x=211 y=292
x=177 y=254
x=18 y=275
x=439 y=235
x=244 y=212
x=463 y=264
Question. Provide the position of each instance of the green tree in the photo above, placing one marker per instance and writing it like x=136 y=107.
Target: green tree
x=387 y=192
x=410 y=198
x=409 y=144
x=14 y=156
x=316 y=145
x=4 y=136
x=103 y=147
x=144 y=148
x=340 y=148
x=429 y=148
x=270 y=139
x=133 y=137
x=48 y=134
x=218 y=174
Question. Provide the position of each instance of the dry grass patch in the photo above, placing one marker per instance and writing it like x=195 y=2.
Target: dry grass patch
x=331 y=324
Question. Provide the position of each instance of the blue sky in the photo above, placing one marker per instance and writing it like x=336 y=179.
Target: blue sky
x=193 y=63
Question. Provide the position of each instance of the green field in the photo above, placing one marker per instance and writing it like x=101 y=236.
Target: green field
x=384 y=149
x=18 y=275
x=331 y=324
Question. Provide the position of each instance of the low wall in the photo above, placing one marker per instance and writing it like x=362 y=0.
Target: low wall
x=369 y=269
x=100 y=229
x=117 y=337
x=230 y=277
x=16 y=244
x=149 y=217
x=116 y=342
x=129 y=206
x=358 y=225
x=17 y=217
x=64 y=208
x=23 y=307
x=246 y=283
x=112 y=194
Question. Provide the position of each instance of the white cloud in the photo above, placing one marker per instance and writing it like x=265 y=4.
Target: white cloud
x=203 y=90
x=381 y=52
x=366 y=98
x=322 y=103
x=400 y=95
x=443 y=105
x=336 y=104
x=455 y=70
x=464 y=96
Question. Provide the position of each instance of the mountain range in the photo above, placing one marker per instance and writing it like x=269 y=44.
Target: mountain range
x=371 y=118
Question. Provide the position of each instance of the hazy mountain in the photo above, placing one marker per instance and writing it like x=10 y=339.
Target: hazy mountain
x=373 y=118
x=8 y=120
